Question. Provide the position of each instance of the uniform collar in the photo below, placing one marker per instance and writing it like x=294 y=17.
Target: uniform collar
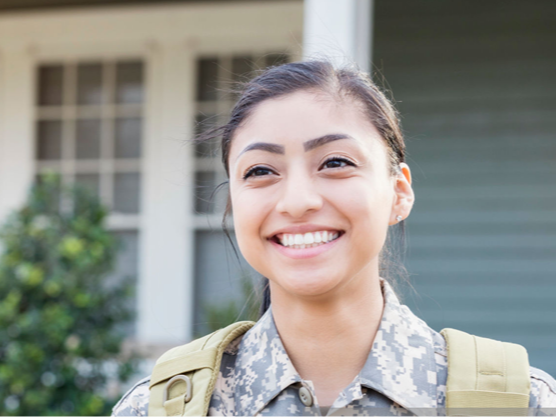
x=401 y=364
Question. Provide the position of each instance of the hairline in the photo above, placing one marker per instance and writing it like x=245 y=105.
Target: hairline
x=339 y=97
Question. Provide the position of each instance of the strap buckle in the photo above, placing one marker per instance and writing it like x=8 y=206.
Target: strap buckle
x=172 y=381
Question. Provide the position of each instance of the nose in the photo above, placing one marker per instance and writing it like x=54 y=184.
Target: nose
x=299 y=197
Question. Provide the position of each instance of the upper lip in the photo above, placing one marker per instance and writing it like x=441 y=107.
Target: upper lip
x=304 y=228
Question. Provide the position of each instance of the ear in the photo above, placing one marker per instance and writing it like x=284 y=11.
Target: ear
x=403 y=195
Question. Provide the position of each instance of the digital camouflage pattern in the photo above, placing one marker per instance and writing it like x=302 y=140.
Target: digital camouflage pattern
x=405 y=374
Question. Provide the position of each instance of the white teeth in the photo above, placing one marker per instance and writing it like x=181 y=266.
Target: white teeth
x=307 y=240
x=318 y=237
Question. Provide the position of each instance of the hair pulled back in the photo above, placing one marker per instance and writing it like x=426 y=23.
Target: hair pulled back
x=319 y=76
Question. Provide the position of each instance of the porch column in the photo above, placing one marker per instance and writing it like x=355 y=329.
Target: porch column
x=166 y=242
x=17 y=150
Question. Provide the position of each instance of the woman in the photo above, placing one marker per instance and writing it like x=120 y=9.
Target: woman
x=315 y=159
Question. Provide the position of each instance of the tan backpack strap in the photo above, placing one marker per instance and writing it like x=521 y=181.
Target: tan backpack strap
x=485 y=373
x=183 y=378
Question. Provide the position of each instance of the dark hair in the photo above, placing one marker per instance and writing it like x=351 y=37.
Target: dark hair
x=320 y=77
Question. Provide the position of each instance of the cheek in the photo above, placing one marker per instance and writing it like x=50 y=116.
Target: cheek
x=250 y=209
x=360 y=200
x=367 y=207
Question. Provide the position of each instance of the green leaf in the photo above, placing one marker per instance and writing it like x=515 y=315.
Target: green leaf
x=57 y=311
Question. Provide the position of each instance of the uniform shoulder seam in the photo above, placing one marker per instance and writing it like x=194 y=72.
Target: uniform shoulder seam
x=130 y=391
x=439 y=343
x=542 y=376
x=440 y=353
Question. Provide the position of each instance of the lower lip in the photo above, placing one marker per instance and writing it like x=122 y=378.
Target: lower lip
x=306 y=252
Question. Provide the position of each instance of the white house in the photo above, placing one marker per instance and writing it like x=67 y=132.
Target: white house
x=108 y=92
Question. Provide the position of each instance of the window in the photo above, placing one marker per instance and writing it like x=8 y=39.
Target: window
x=89 y=128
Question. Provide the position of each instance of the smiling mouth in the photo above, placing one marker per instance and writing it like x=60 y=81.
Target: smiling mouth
x=306 y=240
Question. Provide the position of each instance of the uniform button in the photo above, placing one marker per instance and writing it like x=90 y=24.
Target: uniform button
x=305 y=396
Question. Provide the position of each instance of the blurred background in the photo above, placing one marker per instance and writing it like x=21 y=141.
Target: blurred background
x=109 y=93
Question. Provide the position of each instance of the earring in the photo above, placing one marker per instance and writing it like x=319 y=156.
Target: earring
x=399 y=218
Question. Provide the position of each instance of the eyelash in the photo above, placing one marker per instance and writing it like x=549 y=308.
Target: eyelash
x=333 y=158
x=338 y=158
x=254 y=169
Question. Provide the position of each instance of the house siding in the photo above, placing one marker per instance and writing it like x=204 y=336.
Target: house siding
x=474 y=82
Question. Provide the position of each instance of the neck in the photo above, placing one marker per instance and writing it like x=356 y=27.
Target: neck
x=329 y=339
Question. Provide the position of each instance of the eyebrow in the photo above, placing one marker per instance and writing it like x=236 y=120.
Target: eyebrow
x=263 y=146
x=323 y=140
x=307 y=145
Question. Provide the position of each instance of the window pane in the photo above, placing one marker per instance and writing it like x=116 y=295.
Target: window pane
x=205 y=183
x=126 y=266
x=129 y=82
x=205 y=149
x=87 y=139
x=207 y=74
x=89 y=84
x=127 y=262
x=50 y=85
x=220 y=282
x=242 y=68
x=49 y=140
x=276 y=59
x=127 y=138
x=127 y=192
x=89 y=181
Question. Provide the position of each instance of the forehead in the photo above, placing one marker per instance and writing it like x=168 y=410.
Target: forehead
x=292 y=119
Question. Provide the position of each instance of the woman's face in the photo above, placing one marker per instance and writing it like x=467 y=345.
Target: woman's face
x=312 y=195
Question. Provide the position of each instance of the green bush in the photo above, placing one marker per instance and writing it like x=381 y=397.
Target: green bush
x=61 y=321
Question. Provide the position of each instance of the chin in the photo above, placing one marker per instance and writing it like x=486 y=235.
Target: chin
x=308 y=285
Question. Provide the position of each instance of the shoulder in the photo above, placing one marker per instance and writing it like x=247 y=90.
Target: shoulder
x=543 y=389
x=135 y=402
x=543 y=386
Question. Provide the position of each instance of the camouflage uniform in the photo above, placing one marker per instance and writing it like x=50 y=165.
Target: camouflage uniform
x=405 y=374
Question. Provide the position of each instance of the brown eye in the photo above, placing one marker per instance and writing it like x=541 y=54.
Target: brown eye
x=336 y=162
x=257 y=172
